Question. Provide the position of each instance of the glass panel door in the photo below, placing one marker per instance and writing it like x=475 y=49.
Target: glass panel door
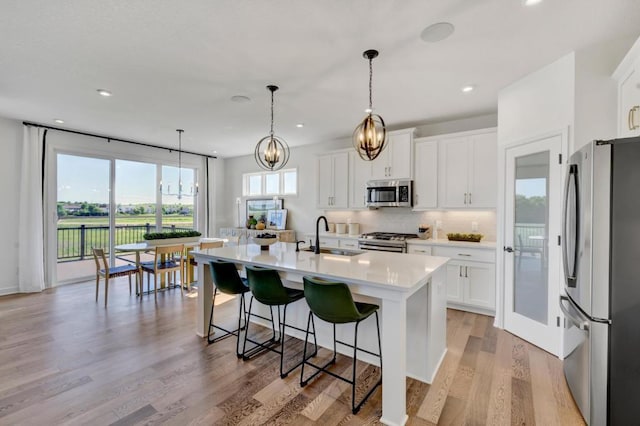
x=533 y=216
x=135 y=200
x=82 y=214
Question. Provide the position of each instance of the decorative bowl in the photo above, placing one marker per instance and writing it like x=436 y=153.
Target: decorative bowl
x=264 y=242
x=474 y=238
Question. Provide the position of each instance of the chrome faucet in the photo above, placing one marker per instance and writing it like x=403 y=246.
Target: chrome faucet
x=326 y=225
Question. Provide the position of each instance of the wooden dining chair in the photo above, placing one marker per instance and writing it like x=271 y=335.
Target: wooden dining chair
x=103 y=270
x=167 y=259
x=191 y=261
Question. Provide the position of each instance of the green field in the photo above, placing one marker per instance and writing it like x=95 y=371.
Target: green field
x=75 y=243
x=125 y=219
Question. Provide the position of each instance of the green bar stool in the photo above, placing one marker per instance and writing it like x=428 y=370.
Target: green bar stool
x=267 y=288
x=227 y=280
x=332 y=302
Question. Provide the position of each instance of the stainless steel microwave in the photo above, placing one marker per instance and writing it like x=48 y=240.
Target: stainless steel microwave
x=389 y=193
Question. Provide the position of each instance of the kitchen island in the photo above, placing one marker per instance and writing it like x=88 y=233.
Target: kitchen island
x=410 y=289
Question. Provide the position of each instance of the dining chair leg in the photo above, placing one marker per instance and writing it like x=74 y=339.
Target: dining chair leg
x=97 y=286
x=106 y=289
x=155 y=286
x=129 y=283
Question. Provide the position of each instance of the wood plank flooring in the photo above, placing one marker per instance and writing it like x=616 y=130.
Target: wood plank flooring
x=65 y=359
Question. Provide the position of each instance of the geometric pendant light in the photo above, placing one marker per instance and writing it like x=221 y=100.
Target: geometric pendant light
x=370 y=136
x=272 y=152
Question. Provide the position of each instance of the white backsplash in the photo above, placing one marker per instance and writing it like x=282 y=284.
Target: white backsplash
x=406 y=221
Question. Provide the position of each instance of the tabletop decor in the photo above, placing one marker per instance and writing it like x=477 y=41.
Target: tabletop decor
x=473 y=238
x=172 y=237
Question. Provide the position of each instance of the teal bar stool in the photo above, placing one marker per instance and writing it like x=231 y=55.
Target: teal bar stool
x=227 y=280
x=332 y=302
x=267 y=288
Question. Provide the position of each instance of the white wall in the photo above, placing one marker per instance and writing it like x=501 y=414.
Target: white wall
x=303 y=213
x=11 y=142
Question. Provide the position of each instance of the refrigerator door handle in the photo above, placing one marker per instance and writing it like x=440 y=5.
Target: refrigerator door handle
x=582 y=325
x=570 y=271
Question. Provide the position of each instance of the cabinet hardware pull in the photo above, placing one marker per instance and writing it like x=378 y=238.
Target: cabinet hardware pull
x=632 y=117
x=464 y=254
x=465 y=198
x=459 y=271
x=469 y=198
x=466 y=271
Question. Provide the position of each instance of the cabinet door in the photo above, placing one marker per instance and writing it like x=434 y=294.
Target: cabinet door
x=359 y=174
x=453 y=171
x=399 y=160
x=480 y=286
x=455 y=281
x=325 y=181
x=483 y=171
x=348 y=244
x=425 y=185
x=629 y=98
x=340 y=198
x=380 y=166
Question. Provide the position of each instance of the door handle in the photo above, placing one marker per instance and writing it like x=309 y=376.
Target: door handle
x=582 y=325
x=508 y=249
x=632 y=118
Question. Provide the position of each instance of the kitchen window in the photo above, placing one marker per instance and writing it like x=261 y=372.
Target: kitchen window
x=282 y=182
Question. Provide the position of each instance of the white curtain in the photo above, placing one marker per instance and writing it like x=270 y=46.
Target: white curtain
x=30 y=224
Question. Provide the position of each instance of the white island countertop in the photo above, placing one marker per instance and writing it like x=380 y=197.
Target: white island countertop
x=409 y=288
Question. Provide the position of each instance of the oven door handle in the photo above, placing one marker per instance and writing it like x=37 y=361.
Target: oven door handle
x=579 y=323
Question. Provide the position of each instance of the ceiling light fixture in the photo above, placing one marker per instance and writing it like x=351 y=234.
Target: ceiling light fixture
x=370 y=136
x=274 y=155
x=300 y=125
x=180 y=131
x=531 y=2
x=240 y=99
x=467 y=89
x=59 y=121
x=104 y=92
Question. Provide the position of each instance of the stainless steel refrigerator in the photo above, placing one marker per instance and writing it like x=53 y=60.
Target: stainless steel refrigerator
x=601 y=257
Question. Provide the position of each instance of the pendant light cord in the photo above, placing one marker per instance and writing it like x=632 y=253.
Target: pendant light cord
x=272 y=112
x=370 y=83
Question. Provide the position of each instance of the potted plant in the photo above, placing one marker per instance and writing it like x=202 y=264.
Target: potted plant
x=172 y=237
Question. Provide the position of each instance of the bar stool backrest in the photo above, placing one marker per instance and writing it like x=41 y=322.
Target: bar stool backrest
x=266 y=286
x=330 y=301
x=226 y=278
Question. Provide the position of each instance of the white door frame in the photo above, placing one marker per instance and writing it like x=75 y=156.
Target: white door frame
x=500 y=240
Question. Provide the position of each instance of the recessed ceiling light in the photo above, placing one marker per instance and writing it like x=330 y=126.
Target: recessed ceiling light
x=241 y=99
x=59 y=121
x=437 y=32
x=300 y=125
x=531 y=2
x=104 y=92
x=215 y=152
x=467 y=89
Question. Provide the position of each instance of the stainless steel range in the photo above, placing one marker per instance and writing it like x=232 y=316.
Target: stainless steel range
x=385 y=241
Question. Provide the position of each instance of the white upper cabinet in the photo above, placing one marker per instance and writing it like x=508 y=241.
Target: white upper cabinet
x=359 y=174
x=468 y=170
x=333 y=181
x=629 y=102
x=425 y=184
x=395 y=161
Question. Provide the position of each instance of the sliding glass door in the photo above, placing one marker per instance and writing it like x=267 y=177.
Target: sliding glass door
x=107 y=202
x=83 y=207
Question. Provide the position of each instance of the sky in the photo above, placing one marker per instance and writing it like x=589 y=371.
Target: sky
x=87 y=179
x=531 y=187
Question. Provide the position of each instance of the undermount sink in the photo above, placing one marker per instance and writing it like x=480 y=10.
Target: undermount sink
x=337 y=251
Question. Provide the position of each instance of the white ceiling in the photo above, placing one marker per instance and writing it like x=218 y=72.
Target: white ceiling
x=176 y=64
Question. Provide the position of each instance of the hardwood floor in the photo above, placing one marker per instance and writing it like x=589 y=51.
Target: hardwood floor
x=65 y=359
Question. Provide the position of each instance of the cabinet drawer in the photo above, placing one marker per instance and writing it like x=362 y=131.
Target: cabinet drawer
x=329 y=242
x=349 y=244
x=468 y=254
x=419 y=249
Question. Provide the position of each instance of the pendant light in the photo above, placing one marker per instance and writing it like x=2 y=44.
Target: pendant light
x=272 y=152
x=180 y=131
x=370 y=136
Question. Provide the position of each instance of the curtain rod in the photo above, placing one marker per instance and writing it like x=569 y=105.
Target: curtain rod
x=108 y=138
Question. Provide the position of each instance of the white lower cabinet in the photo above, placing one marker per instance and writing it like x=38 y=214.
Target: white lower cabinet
x=348 y=243
x=418 y=249
x=471 y=284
